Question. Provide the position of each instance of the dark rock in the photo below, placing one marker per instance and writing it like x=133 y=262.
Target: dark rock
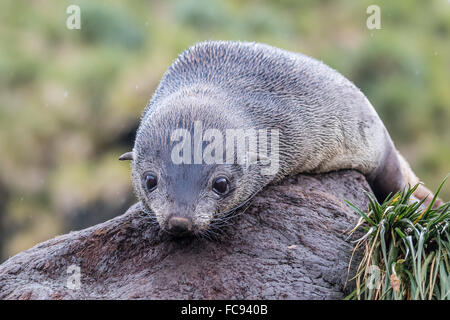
x=289 y=244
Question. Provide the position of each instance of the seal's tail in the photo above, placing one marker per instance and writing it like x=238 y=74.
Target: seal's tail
x=410 y=178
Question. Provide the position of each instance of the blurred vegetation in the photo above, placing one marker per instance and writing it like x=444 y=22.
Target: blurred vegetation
x=70 y=100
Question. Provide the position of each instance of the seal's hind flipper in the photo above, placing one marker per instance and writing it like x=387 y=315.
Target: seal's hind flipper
x=394 y=174
x=388 y=177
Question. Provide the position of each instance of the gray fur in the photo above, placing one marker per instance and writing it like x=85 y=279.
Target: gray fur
x=326 y=123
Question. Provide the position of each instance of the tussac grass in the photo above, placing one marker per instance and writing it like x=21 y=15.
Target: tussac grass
x=406 y=249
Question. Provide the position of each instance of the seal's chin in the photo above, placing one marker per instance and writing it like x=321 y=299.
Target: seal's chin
x=177 y=235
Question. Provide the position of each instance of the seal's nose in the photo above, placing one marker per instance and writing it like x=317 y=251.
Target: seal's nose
x=180 y=225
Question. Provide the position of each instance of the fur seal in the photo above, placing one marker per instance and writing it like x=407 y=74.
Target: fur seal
x=322 y=120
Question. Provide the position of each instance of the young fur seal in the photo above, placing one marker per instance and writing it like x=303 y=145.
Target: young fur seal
x=316 y=120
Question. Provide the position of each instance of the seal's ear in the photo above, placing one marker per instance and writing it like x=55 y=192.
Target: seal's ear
x=126 y=156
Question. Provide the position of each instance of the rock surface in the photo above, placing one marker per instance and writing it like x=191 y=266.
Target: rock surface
x=289 y=244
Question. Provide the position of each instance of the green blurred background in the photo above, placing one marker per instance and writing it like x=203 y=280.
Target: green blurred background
x=70 y=100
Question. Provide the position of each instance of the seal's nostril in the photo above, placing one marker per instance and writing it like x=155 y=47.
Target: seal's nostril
x=180 y=225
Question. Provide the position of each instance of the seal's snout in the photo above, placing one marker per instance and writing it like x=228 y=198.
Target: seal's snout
x=180 y=225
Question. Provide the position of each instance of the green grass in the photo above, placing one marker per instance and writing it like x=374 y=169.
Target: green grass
x=406 y=249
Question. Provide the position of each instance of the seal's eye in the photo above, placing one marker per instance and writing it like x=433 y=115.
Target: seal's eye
x=221 y=185
x=150 y=182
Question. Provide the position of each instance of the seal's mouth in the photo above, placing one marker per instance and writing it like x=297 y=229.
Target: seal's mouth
x=183 y=226
x=179 y=226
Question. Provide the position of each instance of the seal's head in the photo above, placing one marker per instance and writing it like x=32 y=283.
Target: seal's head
x=179 y=167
